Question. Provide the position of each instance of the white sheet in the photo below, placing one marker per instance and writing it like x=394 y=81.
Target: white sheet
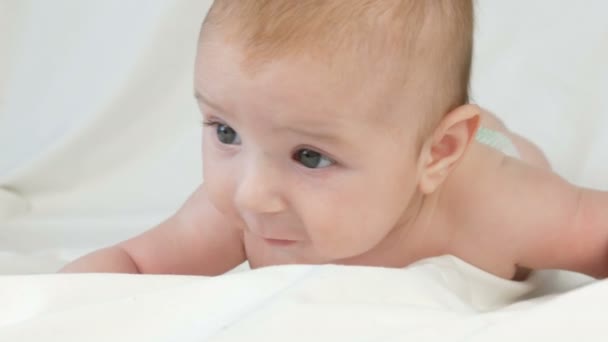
x=99 y=140
x=296 y=303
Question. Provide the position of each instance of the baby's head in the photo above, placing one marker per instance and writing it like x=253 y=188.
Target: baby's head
x=330 y=121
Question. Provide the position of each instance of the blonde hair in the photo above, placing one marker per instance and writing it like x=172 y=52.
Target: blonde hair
x=433 y=38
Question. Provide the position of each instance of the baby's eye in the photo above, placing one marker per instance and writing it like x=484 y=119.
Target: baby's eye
x=312 y=159
x=227 y=135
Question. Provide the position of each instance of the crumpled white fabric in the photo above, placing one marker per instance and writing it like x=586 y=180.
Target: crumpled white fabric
x=441 y=298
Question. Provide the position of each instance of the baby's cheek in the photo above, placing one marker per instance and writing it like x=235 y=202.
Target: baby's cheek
x=220 y=189
x=322 y=225
x=342 y=231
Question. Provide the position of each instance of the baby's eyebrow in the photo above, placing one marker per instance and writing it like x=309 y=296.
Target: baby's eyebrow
x=296 y=129
x=198 y=95
x=327 y=136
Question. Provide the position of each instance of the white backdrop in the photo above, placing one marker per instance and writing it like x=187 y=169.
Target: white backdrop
x=99 y=133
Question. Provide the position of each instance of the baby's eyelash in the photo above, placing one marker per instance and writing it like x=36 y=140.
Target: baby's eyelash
x=209 y=123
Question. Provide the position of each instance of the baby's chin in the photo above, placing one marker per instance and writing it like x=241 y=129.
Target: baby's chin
x=343 y=254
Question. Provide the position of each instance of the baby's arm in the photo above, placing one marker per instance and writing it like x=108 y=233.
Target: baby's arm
x=548 y=222
x=196 y=240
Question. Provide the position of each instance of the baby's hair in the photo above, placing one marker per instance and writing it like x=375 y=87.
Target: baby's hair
x=424 y=45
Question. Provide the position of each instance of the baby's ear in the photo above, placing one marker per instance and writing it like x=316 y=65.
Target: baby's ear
x=447 y=145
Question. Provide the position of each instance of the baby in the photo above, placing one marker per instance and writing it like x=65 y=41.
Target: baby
x=340 y=132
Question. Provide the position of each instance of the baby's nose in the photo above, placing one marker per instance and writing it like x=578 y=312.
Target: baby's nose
x=259 y=192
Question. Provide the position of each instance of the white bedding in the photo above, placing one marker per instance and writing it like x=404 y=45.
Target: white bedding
x=99 y=140
x=441 y=298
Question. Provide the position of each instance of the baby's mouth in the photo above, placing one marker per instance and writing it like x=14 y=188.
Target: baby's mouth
x=279 y=242
x=273 y=239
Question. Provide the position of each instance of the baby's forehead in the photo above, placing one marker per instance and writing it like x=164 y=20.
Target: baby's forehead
x=301 y=95
x=395 y=42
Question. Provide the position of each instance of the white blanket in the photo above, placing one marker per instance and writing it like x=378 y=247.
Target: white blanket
x=99 y=140
x=442 y=298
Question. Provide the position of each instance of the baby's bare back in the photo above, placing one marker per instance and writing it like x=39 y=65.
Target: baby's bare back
x=495 y=200
x=528 y=152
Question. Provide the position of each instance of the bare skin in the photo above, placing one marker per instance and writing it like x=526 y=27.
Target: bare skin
x=355 y=190
x=198 y=239
x=485 y=157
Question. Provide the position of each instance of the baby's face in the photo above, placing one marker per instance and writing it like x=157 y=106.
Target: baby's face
x=304 y=162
